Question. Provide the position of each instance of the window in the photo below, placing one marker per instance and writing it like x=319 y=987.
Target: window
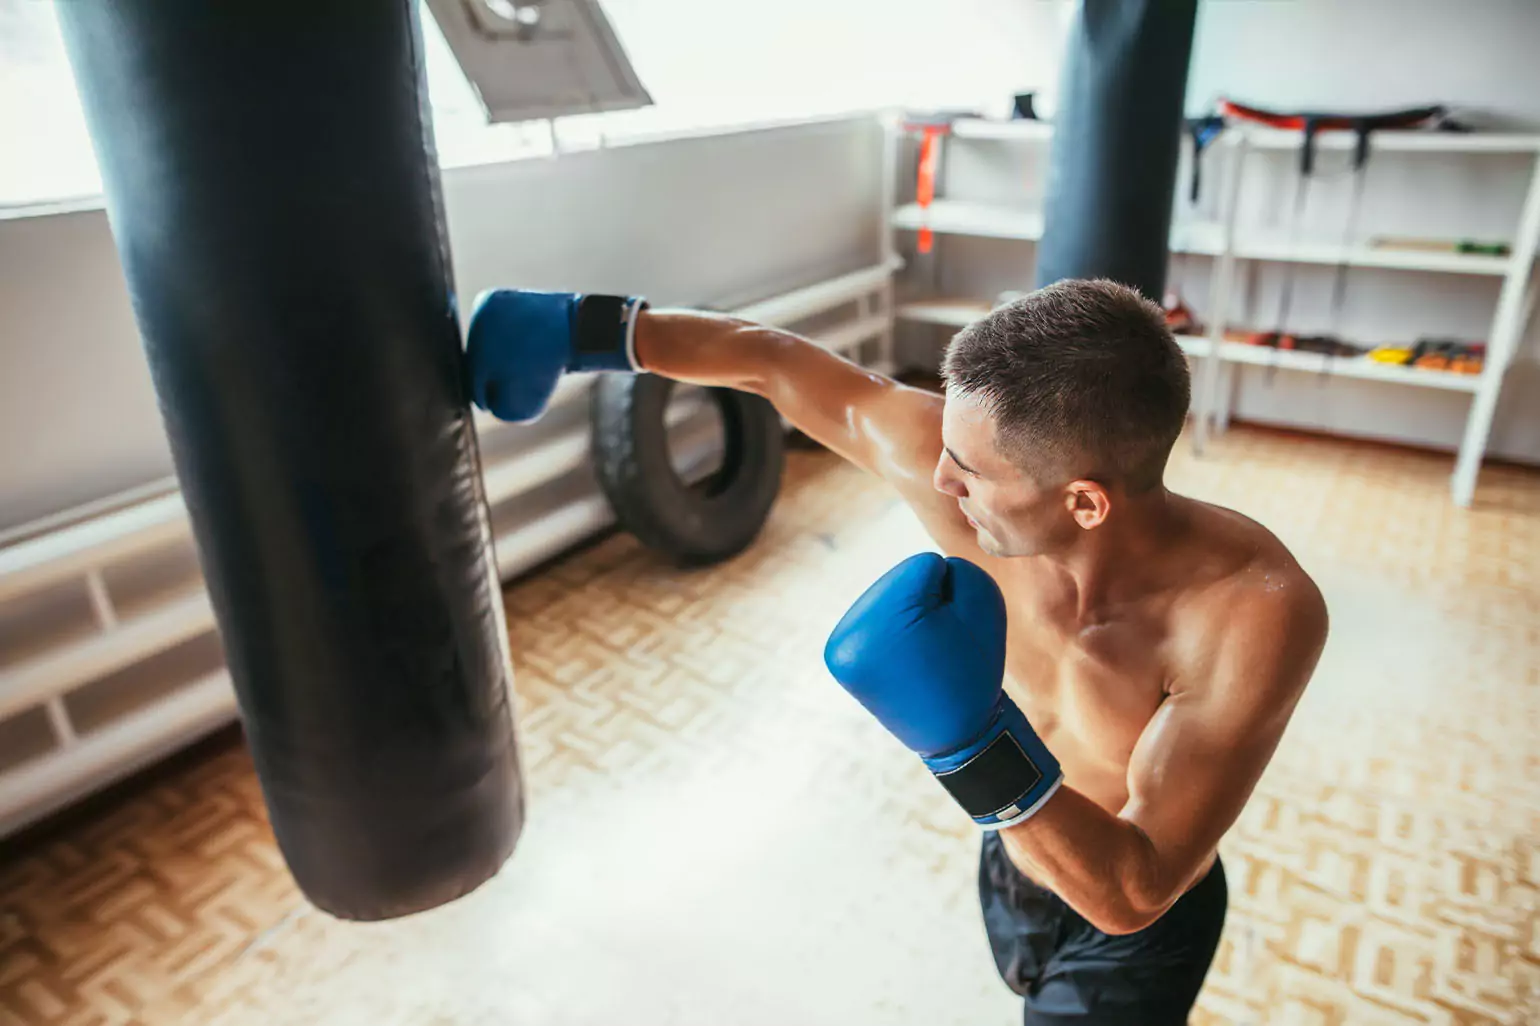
x=47 y=153
x=711 y=64
x=708 y=64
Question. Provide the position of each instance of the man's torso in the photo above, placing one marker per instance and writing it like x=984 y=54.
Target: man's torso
x=1090 y=681
x=1088 y=692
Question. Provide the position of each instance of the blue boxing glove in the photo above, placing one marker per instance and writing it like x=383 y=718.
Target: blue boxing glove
x=520 y=343
x=924 y=650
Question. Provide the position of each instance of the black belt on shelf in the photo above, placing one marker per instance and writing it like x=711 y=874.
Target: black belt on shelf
x=1311 y=122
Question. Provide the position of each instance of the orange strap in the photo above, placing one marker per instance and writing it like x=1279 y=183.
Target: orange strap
x=925 y=181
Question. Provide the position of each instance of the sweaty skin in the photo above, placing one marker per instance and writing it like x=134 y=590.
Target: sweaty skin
x=1157 y=644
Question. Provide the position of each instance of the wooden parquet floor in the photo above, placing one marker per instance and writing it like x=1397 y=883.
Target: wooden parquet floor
x=718 y=835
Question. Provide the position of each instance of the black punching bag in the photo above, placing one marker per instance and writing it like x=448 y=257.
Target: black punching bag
x=1117 y=136
x=272 y=187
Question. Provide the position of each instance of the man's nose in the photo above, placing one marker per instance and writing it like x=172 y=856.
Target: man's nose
x=946 y=482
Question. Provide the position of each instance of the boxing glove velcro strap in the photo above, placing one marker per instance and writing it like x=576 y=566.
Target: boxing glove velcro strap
x=1003 y=777
x=604 y=332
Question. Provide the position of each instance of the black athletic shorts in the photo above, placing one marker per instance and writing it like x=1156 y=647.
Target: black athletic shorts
x=1070 y=972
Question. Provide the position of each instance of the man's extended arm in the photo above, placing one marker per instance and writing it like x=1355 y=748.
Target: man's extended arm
x=871 y=420
x=1191 y=773
x=521 y=342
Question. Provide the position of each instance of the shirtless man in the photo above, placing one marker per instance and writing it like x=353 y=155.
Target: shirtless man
x=1157 y=645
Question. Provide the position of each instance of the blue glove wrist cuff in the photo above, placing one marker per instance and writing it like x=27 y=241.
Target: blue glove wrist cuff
x=1005 y=775
x=604 y=333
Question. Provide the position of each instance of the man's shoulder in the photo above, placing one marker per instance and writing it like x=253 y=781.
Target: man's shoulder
x=1246 y=559
x=1258 y=605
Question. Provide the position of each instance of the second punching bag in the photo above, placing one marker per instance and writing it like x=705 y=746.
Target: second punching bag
x=1117 y=136
x=273 y=192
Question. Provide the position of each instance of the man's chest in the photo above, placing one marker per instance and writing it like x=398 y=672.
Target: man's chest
x=1089 y=691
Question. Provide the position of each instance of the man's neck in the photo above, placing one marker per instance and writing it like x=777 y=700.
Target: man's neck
x=1127 y=557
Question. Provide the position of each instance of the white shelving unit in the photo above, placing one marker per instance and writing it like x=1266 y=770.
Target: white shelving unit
x=1231 y=245
x=51 y=754
x=1514 y=302
x=959 y=217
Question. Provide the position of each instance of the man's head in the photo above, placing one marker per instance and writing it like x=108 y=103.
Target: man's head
x=1059 y=406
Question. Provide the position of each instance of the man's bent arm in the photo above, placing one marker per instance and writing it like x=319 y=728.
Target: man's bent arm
x=1191 y=773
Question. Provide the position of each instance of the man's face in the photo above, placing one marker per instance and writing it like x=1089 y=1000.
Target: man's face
x=1012 y=514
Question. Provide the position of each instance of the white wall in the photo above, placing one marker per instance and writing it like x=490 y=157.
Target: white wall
x=710 y=220
x=77 y=416
x=1370 y=54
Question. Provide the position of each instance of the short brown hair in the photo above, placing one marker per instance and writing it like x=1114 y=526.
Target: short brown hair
x=1083 y=378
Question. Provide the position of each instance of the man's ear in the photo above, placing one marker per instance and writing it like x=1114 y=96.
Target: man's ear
x=1088 y=502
